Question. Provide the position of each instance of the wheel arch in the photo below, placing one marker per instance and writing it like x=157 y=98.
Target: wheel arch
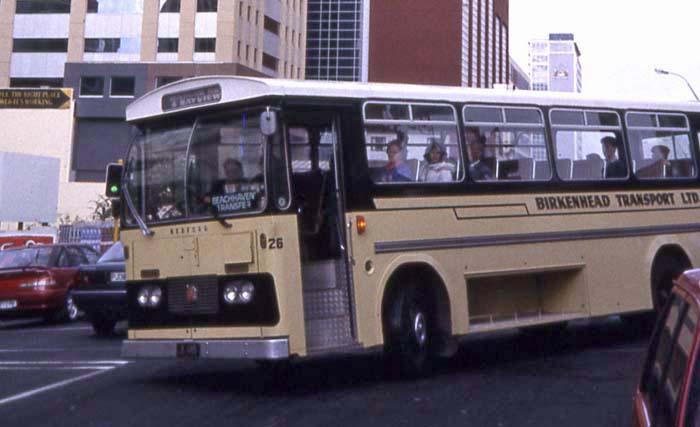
x=430 y=278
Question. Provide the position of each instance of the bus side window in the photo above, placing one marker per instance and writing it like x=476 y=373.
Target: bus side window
x=660 y=145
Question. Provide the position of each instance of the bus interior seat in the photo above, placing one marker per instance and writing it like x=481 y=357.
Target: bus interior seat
x=564 y=168
x=542 y=170
x=649 y=168
x=588 y=169
x=515 y=169
x=682 y=168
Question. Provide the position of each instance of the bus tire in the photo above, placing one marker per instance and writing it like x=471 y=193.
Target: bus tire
x=411 y=332
x=667 y=267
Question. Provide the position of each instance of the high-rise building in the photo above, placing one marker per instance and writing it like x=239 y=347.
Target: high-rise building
x=37 y=38
x=334 y=42
x=554 y=64
x=444 y=42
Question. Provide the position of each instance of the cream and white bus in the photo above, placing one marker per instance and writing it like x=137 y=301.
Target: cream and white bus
x=269 y=219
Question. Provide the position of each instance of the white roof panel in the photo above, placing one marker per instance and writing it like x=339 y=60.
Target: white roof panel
x=236 y=89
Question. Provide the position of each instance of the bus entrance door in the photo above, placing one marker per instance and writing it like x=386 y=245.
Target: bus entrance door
x=317 y=194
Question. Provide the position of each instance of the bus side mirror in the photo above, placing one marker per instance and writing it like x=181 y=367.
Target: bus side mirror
x=268 y=123
x=113 y=180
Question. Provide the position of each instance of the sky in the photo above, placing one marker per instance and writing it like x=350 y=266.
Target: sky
x=621 y=42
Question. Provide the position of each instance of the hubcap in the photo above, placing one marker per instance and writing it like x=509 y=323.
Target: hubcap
x=72 y=308
x=419 y=329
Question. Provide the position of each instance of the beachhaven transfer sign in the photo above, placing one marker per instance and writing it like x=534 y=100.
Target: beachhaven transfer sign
x=35 y=98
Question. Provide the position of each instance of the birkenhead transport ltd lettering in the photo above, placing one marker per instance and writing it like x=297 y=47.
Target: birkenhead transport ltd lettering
x=633 y=200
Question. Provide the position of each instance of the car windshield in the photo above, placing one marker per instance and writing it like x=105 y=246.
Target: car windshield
x=34 y=257
x=114 y=254
x=183 y=169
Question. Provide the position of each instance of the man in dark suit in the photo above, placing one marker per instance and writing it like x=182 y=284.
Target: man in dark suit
x=614 y=167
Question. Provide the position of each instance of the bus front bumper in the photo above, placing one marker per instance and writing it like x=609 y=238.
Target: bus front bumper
x=270 y=349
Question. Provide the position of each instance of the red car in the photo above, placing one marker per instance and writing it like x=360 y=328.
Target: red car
x=36 y=281
x=669 y=391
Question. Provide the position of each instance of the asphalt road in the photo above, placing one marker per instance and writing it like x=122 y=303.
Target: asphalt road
x=62 y=375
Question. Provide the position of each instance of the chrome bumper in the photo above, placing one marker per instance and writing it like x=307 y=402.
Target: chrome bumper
x=277 y=348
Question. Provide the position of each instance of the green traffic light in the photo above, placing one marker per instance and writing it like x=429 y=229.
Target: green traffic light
x=114 y=189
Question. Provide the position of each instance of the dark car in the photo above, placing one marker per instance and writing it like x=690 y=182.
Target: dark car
x=101 y=290
x=669 y=391
x=37 y=280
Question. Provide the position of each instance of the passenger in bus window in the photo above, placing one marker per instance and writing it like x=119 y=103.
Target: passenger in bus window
x=436 y=169
x=660 y=154
x=395 y=169
x=614 y=167
x=479 y=170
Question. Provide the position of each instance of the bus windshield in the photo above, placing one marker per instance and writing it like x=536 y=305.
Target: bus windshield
x=212 y=166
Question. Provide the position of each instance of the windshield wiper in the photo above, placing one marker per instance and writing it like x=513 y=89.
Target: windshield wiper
x=130 y=204
x=215 y=212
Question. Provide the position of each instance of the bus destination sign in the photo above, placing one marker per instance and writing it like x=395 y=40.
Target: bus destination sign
x=191 y=98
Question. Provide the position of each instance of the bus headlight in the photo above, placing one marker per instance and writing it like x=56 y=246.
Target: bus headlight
x=230 y=294
x=247 y=292
x=149 y=296
x=238 y=292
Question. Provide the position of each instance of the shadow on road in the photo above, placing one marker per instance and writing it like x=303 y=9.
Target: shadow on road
x=504 y=352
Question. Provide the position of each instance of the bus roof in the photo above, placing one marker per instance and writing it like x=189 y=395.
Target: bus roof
x=236 y=89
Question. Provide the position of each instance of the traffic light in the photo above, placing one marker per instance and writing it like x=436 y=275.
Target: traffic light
x=114 y=180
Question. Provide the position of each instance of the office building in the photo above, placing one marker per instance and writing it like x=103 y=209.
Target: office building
x=555 y=64
x=443 y=42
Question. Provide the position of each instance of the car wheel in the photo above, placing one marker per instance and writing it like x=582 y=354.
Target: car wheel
x=68 y=313
x=411 y=333
x=103 y=326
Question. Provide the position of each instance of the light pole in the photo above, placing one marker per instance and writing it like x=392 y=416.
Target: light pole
x=665 y=73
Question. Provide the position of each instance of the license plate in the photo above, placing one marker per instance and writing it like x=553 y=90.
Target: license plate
x=188 y=350
x=118 y=276
x=8 y=305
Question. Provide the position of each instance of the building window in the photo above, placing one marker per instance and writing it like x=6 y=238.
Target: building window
x=122 y=86
x=271 y=25
x=269 y=61
x=167 y=45
x=164 y=80
x=92 y=86
x=40 y=45
x=207 y=5
x=205 y=45
x=115 y=6
x=44 y=6
x=170 y=6
x=123 y=45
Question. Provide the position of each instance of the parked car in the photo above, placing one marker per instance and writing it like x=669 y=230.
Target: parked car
x=101 y=290
x=37 y=280
x=669 y=390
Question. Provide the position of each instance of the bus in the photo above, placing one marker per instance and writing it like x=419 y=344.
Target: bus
x=271 y=219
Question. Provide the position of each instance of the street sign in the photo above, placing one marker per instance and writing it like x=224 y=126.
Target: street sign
x=35 y=98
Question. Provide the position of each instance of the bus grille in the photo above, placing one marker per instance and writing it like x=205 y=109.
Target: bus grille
x=207 y=296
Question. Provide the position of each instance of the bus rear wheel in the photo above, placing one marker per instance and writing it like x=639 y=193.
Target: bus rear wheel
x=411 y=323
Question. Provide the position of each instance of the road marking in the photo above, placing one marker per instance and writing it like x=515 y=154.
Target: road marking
x=55 y=368
x=49 y=387
x=67 y=362
x=49 y=350
x=24 y=331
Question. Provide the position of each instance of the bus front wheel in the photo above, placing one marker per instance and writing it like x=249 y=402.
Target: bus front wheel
x=411 y=332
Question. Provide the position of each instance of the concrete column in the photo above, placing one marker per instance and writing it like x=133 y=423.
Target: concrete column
x=149 y=30
x=7 y=20
x=76 y=32
x=226 y=37
x=188 y=9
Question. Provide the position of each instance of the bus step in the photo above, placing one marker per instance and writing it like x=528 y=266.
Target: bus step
x=322 y=274
x=328 y=333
